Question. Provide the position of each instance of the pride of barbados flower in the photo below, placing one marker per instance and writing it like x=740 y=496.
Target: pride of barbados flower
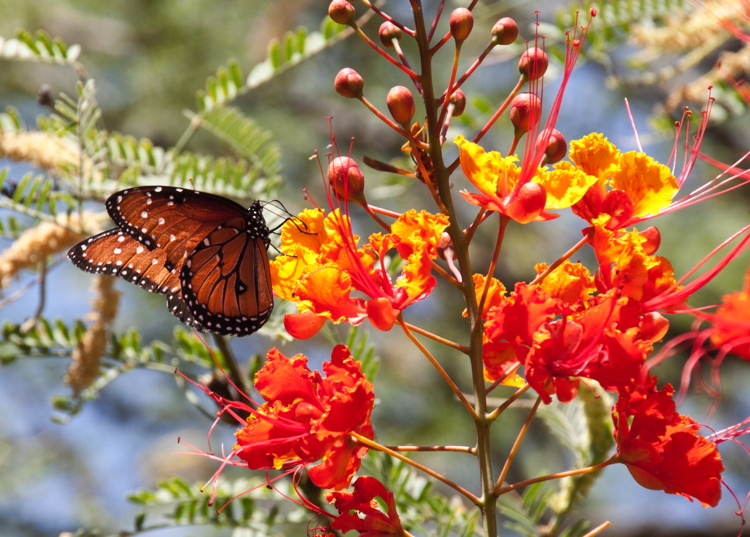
x=499 y=182
x=308 y=417
x=323 y=265
x=360 y=511
x=663 y=450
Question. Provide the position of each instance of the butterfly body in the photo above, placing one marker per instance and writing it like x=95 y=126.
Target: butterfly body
x=205 y=252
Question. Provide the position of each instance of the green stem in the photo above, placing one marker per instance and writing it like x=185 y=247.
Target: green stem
x=441 y=174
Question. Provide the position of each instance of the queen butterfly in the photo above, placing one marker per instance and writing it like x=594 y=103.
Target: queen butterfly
x=207 y=253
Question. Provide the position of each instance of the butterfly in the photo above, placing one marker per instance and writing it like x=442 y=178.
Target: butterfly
x=207 y=253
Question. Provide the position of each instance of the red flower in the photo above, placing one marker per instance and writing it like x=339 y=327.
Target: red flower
x=307 y=417
x=360 y=511
x=663 y=451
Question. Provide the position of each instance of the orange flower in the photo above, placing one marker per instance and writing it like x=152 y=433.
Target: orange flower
x=638 y=185
x=502 y=189
x=323 y=265
x=359 y=510
x=307 y=417
x=731 y=322
x=663 y=451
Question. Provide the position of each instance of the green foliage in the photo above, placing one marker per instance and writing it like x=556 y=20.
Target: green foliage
x=177 y=503
x=420 y=507
x=38 y=47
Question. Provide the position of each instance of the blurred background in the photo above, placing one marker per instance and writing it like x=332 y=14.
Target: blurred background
x=149 y=58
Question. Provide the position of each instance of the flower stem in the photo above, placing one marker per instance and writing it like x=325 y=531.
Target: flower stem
x=458 y=449
x=498 y=243
x=437 y=338
x=434 y=362
x=441 y=175
x=562 y=258
x=559 y=475
x=499 y=410
x=516 y=445
x=374 y=445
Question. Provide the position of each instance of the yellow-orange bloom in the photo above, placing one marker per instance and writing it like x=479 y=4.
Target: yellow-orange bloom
x=498 y=180
x=323 y=265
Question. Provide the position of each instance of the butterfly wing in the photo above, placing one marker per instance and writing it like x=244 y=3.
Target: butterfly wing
x=173 y=219
x=115 y=253
x=226 y=280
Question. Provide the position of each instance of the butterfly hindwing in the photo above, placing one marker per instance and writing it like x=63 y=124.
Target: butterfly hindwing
x=226 y=281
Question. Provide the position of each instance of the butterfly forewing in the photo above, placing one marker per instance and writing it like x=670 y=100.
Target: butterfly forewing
x=174 y=219
x=115 y=253
x=226 y=281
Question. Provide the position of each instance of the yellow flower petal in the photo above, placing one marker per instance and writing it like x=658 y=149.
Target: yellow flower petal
x=649 y=184
x=565 y=185
x=594 y=154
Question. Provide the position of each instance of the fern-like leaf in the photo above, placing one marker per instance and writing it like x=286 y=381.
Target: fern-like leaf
x=39 y=47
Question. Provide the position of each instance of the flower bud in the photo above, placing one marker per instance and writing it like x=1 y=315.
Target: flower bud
x=528 y=203
x=461 y=22
x=341 y=12
x=459 y=101
x=388 y=32
x=303 y=325
x=505 y=31
x=533 y=63
x=653 y=327
x=401 y=104
x=525 y=112
x=348 y=83
x=557 y=146
x=346 y=179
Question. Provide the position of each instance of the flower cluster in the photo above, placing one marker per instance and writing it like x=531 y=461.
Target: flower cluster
x=569 y=328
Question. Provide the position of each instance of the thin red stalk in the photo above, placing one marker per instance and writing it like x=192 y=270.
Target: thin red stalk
x=388 y=18
x=383 y=53
x=436 y=20
x=383 y=117
x=493 y=263
x=451 y=80
x=470 y=70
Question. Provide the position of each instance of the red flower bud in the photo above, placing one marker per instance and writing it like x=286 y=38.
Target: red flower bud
x=401 y=104
x=557 y=147
x=341 y=12
x=653 y=327
x=525 y=112
x=505 y=31
x=348 y=83
x=461 y=22
x=388 y=32
x=381 y=313
x=533 y=63
x=530 y=201
x=459 y=100
x=347 y=180
x=303 y=325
